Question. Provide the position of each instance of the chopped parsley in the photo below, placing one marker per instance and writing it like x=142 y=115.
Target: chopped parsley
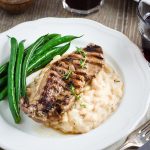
x=68 y=74
x=82 y=63
x=83 y=105
x=72 y=89
x=81 y=51
x=78 y=97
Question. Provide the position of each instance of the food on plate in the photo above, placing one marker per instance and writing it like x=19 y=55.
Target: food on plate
x=23 y=62
x=12 y=98
x=75 y=93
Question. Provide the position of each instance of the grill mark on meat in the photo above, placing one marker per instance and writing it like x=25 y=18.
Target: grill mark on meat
x=56 y=97
x=92 y=57
x=82 y=73
x=94 y=54
x=76 y=80
x=74 y=61
x=53 y=73
x=56 y=80
x=77 y=76
x=76 y=56
x=54 y=87
x=62 y=64
x=77 y=83
x=60 y=70
x=94 y=62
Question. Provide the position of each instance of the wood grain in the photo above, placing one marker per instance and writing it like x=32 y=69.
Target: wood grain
x=15 y=6
x=117 y=14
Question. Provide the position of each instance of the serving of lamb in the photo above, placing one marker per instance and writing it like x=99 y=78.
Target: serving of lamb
x=59 y=86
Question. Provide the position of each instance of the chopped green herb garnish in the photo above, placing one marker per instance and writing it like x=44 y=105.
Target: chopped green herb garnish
x=81 y=51
x=82 y=63
x=68 y=74
x=78 y=97
x=72 y=89
x=83 y=105
x=116 y=81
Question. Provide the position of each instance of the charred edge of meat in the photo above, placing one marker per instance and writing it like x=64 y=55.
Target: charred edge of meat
x=93 y=48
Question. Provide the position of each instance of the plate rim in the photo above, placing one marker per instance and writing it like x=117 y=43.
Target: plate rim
x=142 y=62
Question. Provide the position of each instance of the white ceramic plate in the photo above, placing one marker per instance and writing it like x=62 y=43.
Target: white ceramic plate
x=119 y=51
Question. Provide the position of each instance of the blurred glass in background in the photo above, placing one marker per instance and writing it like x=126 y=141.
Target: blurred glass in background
x=144 y=26
x=82 y=6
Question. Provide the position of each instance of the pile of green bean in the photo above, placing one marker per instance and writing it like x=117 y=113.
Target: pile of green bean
x=24 y=62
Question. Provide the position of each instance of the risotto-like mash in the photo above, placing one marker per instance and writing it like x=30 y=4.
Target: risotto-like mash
x=97 y=103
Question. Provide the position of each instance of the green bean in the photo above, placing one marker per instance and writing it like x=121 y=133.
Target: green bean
x=26 y=63
x=47 y=37
x=11 y=86
x=18 y=70
x=3 y=81
x=55 y=42
x=42 y=62
x=46 y=57
x=44 y=38
x=38 y=50
x=3 y=93
x=3 y=69
x=52 y=36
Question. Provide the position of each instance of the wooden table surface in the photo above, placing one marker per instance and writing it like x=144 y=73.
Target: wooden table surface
x=117 y=14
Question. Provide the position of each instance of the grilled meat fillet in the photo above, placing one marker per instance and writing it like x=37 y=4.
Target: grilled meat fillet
x=60 y=84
